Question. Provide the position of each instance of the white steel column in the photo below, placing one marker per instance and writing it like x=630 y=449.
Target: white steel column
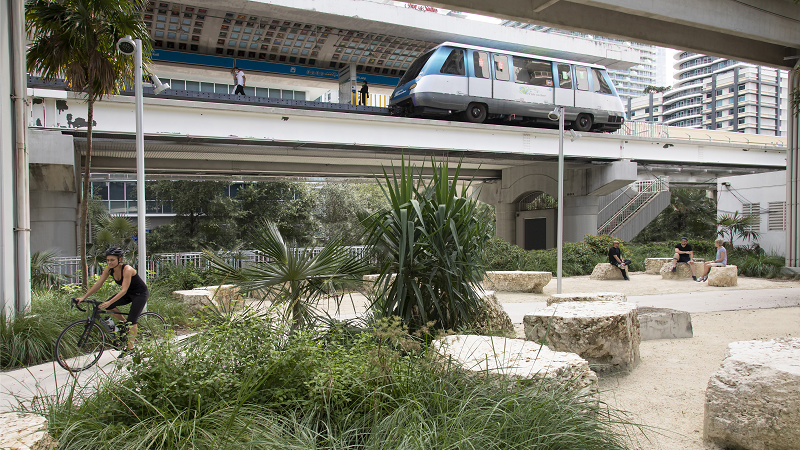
x=22 y=230
x=7 y=260
x=560 y=219
x=141 y=208
x=793 y=179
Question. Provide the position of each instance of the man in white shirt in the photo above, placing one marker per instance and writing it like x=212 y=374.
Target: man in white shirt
x=238 y=79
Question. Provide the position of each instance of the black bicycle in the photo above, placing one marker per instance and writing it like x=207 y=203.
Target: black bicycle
x=82 y=342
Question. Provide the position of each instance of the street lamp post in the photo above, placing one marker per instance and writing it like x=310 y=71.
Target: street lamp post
x=558 y=114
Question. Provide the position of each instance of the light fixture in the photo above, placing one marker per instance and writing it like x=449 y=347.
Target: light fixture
x=126 y=45
x=553 y=115
x=160 y=87
x=573 y=136
x=669 y=145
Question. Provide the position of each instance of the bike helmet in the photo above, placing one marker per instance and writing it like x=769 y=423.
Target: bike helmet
x=115 y=251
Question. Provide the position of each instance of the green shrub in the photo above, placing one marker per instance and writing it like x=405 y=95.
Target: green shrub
x=500 y=255
x=176 y=277
x=248 y=384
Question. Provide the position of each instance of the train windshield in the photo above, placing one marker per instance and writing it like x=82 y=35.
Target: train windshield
x=415 y=68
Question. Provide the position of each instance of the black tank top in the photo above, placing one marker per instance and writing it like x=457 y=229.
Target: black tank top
x=137 y=285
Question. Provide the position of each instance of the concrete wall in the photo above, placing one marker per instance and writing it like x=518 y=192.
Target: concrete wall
x=54 y=193
x=550 y=230
x=761 y=188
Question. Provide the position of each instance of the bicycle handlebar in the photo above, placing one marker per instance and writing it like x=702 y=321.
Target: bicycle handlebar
x=78 y=305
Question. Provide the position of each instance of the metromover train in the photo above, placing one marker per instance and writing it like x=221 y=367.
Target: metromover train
x=479 y=84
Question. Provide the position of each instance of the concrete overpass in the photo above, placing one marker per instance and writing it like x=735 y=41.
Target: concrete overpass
x=248 y=141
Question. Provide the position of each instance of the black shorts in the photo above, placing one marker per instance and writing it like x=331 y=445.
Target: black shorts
x=137 y=300
x=684 y=258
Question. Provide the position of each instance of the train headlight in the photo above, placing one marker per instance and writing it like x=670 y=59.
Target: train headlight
x=412 y=86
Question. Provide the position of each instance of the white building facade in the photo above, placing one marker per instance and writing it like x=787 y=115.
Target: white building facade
x=762 y=195
x=719 y=94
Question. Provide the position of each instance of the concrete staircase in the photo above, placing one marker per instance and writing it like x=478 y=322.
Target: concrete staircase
x=633 y=207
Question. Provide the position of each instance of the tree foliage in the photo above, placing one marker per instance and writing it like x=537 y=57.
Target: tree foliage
x=76 y=40
x=434 y=238
x=734 y=225
x=655 y=89
x=690 y=213
x=289 y=205
x=339 y=205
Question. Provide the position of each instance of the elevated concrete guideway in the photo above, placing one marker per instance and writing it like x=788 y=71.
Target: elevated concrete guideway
x=185 y=136
x=756 y=31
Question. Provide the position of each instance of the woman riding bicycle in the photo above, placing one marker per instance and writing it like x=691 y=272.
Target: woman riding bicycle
x=133 y=290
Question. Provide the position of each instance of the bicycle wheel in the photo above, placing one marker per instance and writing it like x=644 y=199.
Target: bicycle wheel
x=151 y=327
x=80 y=345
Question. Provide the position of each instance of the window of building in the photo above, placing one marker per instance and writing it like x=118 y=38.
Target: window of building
x=708 y=95
x=741 y=109
x=565 y=76
x=730 y=112
x=719 y=125
x=730 y=123
x=480 y=62
x=582 y=76
x=753 y=210
x=719 y=92
x=647 y=110
x=719 y=113
x=730 y=90
x=742 y=87
x=454 y=64
x=741 y=98
x=777 y=216
x=532 y=72
x=718 y=103
x=501 y=67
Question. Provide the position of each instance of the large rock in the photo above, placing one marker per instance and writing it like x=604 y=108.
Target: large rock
x=22 y=431
x=587 y=297
x=226 y=295
x=752 y=401
x=492 y=318
x=683 y=271
x=653 y=265
x=664 y=323
x=516 y=358
x=606 y=271
x=195 y=299
x=517 y=281
x=723 y=276
x=606 y=334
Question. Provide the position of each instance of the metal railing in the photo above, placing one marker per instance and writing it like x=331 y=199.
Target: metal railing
x=70 y=265
x=643 y=129
x=646 y=193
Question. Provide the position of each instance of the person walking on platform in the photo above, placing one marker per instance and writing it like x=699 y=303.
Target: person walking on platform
x=364 y=93
x=239 y=80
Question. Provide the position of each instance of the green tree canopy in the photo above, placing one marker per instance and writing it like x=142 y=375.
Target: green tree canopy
x=690 y=213
x=76 y=40
x=339 y=205
x=289 y=205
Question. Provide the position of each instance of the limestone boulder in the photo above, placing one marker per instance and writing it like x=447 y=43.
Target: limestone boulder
x=516 y=359
x=653 y=265
x=517 y=281
x=723 y=276
x=683 y=271
x=606 y=334
x=664 y=323
x=587 y=297
x=493 y=318
x=195 y=299
x=606 y=271
x=23 y=431
x=752 y=401
x=226 y=295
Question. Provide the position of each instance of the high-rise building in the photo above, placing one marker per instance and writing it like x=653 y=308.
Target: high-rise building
x=630 y=83
x=718 y=94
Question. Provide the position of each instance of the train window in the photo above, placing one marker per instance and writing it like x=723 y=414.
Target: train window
x=535 y=73
x=582 y=78
x=501 y=67
x=600 y=84
x=454 y=64
x=415 y=69
x=481 y=63
x=564 y=76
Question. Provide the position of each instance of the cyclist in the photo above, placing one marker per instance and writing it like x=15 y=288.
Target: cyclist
x=133 y=290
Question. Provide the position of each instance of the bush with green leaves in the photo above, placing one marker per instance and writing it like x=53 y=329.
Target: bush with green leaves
x=250 y=383
x=434 y=236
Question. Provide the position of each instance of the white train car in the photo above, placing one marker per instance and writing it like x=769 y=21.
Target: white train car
x=478 y=83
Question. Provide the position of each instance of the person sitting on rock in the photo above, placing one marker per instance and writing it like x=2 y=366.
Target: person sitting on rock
x=684 y=254
x=720 y=261
x=615 y=259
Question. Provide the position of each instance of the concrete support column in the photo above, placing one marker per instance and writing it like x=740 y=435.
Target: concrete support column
x=793 y=181
x=7 y=149
x=506 y=221
x=580 y=217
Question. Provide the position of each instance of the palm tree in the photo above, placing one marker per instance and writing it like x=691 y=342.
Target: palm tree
x=76 y=40
x=291 y=275
x=110 y=229
x=734 y=225
x=434 y=236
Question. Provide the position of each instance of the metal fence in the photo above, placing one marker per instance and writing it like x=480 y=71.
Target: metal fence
x=70 y=265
